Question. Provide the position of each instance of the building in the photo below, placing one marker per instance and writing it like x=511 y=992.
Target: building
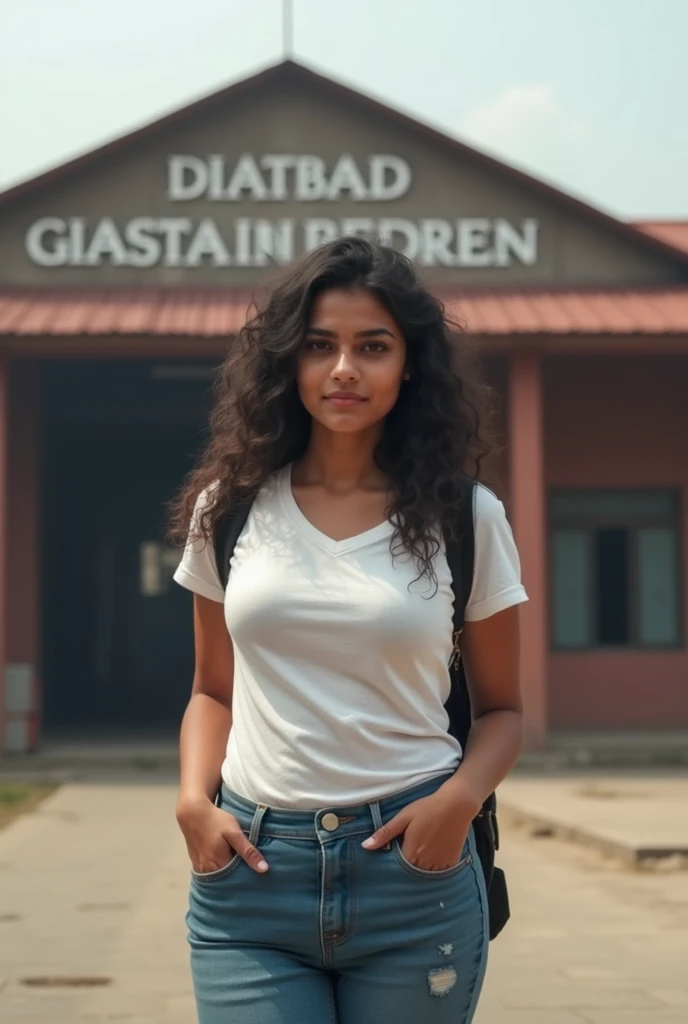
x=123 y=276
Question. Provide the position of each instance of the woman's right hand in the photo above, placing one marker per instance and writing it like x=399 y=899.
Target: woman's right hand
x=213 y=836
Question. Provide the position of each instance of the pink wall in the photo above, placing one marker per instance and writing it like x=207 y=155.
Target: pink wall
x=618 y=421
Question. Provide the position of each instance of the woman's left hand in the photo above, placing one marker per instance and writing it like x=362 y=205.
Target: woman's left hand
x=434 y=828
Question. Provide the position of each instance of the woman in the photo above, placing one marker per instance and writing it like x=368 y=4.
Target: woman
x=335 y=878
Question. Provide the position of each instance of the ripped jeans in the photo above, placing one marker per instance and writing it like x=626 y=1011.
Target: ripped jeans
x=333 y=933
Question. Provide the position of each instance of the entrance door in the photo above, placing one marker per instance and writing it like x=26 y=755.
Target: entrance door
x=118 y=639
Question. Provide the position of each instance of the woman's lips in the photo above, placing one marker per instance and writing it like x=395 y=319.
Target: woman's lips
x=344 y=399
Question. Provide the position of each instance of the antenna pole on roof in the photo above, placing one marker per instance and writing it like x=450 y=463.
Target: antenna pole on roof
x=288 y=28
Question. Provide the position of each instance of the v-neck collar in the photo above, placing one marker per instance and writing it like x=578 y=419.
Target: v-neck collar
x=316 y=536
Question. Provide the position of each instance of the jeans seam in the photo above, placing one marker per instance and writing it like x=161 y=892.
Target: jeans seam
x=321 y=908
x=352 y=891
x=313 y=838
x=422 y=872
x=333 y=1005
x=208 y=877
x=481 y=966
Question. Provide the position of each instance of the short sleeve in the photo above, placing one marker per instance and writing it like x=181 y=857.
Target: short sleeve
x=197 y=570
x=497 y=567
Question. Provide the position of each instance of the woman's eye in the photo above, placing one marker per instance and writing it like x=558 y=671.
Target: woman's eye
x=317 y=345
x=375 y=346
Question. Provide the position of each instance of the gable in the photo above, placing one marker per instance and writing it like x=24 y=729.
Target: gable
x=256 y=176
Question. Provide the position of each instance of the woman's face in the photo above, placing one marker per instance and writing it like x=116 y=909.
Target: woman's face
x=352 y=362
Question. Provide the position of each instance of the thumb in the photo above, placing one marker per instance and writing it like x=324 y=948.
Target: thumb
x=394 y=827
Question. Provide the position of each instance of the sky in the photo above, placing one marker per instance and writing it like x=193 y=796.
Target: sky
x=591 y=95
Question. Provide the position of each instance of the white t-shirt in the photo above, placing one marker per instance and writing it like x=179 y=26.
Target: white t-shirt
x=340 y=659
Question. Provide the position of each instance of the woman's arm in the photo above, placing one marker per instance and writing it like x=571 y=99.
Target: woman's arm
x=208 y=717
x=212 y=835
x=435 y=826
x=491 y=650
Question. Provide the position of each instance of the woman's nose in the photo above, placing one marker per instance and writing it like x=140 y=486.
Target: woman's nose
x=344 y=369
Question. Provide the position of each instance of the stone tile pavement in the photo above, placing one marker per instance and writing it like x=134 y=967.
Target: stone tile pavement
x=636 y=817
x=591 y=942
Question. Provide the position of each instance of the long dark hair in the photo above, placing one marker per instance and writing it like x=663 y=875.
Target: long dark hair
x=432 y=435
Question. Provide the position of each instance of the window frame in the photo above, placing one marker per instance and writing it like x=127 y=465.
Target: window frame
x=590 y=525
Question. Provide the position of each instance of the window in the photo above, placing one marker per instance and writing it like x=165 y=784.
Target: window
x=615 y=568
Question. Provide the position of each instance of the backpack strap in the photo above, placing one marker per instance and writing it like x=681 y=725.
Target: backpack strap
x=225 y=536
x=460 y=554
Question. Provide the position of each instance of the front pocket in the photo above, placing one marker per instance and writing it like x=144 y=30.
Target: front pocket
x=219 y=873
x=421 y=872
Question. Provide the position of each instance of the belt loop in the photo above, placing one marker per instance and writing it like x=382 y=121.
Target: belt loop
x=375 y=811
x=255 y=823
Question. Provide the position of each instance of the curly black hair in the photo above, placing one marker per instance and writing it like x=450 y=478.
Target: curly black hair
x=432 y=436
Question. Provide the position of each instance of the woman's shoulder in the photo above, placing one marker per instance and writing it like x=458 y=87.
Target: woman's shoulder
x=205 y=497
x=488 y=506
x=208 y=495
x=497 y=568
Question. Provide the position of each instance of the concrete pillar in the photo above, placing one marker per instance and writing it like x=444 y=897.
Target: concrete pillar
x=22 y=687
x=527 y=513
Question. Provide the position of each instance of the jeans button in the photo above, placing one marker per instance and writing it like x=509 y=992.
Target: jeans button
x=330 y=821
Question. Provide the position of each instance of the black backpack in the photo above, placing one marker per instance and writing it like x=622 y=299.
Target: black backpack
x=460 y=556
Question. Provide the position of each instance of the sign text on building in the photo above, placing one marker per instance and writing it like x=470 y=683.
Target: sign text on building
x=257 y=241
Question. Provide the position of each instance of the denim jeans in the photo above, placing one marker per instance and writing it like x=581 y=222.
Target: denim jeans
x=333 y=933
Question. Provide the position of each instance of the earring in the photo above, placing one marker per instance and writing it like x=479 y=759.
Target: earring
x=407 y=376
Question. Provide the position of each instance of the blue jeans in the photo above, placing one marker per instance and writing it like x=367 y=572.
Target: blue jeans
x=333 y=933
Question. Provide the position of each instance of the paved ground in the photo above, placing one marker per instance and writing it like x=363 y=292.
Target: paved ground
x=632 y=816
x=591 y=942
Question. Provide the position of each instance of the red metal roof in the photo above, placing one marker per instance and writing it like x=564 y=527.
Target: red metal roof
x=675 y=232
x=206 y=313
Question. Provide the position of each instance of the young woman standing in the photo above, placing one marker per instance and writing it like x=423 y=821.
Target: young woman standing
x=326 y=809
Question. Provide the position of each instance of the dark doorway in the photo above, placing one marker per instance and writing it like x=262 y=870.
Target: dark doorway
x=117 y=651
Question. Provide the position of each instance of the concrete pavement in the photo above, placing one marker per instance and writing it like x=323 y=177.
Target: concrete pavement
x=636 y=817
x=94 y=886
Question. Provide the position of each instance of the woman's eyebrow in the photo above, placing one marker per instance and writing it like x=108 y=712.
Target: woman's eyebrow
x=371 y=332
x=321 y=332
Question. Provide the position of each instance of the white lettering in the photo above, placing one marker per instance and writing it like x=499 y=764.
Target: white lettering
x=77 y=241
x=358 y=226
x=207 y=241
x=509 y=242
x=346 y=177
x=179 y=188
x=310 y=178
x=242 y=231
x=145 y=242
x=381 y=168
x=390 y=227
x=437 y=236
x=106 y=241
x=274 y=242
x=174 y=228
x=246 y=177
x=319 y=230
x=473 y=244
x=58 y=253
x=216 y=177
x=146 y=249
x=277 y=165
x=191 y=177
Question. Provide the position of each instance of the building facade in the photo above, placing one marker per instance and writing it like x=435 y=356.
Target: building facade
x=123 y=277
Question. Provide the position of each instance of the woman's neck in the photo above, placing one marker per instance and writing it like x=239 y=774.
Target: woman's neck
x=339 y=462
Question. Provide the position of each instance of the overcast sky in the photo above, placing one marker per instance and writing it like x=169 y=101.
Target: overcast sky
x=591 y=95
